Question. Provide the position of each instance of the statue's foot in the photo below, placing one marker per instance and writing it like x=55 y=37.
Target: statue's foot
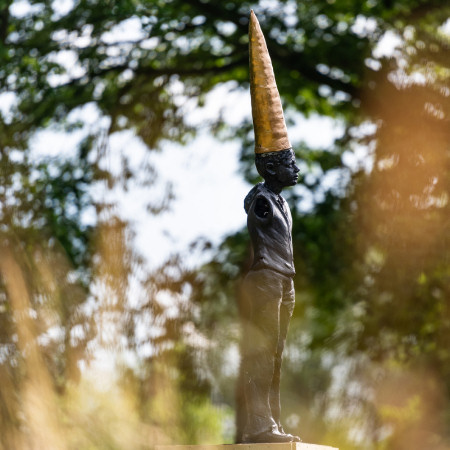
x=267 y=437
x=293 y=437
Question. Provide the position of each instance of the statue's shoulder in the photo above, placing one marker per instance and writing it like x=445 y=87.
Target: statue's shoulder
x=255 y=192
x=258 y=202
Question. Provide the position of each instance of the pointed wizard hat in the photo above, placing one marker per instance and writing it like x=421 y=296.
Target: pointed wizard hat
x=268 y=119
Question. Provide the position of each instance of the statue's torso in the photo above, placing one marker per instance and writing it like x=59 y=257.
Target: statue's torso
x=270 y=232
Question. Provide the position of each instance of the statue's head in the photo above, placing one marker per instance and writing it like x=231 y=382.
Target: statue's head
x=274 y=157
x=278 y=167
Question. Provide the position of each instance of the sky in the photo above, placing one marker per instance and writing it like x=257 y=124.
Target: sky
x=204 y=175
x=208 y=188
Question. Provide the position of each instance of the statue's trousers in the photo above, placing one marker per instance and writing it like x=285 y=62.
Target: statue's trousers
x=269 y=299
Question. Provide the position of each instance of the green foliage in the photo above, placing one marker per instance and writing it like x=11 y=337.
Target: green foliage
x=372 y=248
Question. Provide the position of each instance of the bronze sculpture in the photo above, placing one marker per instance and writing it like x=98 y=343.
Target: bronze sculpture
x=268 y=288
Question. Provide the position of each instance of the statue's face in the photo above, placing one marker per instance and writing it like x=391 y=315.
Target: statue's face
x=286 y=172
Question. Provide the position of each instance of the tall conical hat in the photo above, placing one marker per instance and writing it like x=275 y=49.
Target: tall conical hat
x=268 y=119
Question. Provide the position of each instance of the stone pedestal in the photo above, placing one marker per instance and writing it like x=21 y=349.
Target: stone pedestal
x=284 y=446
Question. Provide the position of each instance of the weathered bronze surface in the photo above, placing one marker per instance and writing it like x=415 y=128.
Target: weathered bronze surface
x=268 y=300
x=268 y=289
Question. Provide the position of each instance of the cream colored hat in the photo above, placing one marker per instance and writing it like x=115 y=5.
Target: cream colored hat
x=268 y=119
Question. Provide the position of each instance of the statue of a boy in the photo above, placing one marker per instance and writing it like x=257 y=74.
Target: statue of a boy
x=268 y=289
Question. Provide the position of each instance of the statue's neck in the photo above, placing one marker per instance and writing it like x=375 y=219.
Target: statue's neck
x=275 y=187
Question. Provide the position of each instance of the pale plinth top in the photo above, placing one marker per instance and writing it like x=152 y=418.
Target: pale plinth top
x=282 y=446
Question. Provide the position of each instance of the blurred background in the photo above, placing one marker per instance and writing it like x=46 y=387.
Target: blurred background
x=126 y=149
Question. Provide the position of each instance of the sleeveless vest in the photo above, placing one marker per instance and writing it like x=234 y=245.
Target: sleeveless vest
x=271 y=235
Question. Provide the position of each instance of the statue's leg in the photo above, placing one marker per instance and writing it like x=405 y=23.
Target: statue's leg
x=263 y=289
x=286 y=310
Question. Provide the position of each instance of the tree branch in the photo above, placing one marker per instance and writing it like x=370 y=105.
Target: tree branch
x=277 y=52
x=4 y=22
x=150 y=71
